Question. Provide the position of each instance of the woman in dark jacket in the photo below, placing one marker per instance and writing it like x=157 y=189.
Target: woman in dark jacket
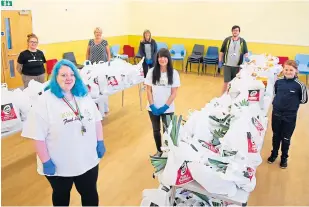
x=148 y=49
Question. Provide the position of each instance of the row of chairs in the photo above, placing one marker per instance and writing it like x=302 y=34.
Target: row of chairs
x=178 y=53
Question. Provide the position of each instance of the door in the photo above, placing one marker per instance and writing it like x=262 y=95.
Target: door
x=16 y=25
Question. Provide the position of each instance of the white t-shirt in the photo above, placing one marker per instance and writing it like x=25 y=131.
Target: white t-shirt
x=162 y=91
x=51 y=120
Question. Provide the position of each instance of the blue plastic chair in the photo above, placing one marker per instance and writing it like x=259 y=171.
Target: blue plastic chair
x=211 y=58
x=161 y=45
x=115 y=52
x=303 y=65
x=178 y=52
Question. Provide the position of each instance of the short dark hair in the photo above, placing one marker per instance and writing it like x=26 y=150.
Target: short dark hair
x=235 y=27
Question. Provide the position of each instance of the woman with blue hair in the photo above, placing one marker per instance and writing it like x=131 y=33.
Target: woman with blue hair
x=66 y=126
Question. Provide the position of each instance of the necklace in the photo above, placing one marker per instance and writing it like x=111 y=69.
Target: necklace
x=33 y=55
x=77 y=113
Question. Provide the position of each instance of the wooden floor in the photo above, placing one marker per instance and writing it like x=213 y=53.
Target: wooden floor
x=125 y=170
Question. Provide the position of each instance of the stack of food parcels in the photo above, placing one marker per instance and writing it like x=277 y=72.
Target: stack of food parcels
x=108 y=78
x=101 y=79
x=104 y=79
x=218 y=147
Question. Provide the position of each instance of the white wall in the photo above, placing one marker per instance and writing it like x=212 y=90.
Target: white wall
x=69 y=20
x=282 y=22
x=267 y=21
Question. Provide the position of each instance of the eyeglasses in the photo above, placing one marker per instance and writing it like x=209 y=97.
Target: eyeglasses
x=32 y=42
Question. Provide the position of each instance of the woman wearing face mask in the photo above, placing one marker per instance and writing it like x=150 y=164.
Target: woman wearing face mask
x=98 y=49
x=162 y=83
x=66 y=126
x=30 y=63
x=148 y=49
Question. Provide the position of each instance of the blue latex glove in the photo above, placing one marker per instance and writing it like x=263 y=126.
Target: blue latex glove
x=49 y=168
x=220 y=64
x=154 y=110
x=149 y=62
x=163 y=109
x=100 y=149
x=247 y=59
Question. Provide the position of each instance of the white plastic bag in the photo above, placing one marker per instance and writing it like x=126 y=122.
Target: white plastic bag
x=10 y=114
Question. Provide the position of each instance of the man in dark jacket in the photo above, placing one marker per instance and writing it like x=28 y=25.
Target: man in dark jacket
x=148 y=49
x=233 y=51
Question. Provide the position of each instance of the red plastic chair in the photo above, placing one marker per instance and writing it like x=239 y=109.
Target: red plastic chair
x=49 y=66
x=128 y=50
x=282 y=59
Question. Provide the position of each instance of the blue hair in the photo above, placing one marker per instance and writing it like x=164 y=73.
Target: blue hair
x=79 y=89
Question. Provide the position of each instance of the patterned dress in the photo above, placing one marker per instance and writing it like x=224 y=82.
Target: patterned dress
x=98 y=52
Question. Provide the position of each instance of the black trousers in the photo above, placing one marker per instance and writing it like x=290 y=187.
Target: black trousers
x=86 y=185
x=283 y=125
x=156 y=126
x=146 y=67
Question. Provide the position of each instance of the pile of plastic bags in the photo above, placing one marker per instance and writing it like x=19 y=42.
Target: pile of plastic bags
x=219 y=146
x=102 y=80
x=15 y=104
x=108 y=78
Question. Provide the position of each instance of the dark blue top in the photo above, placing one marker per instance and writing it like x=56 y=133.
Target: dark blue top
x=289 y=93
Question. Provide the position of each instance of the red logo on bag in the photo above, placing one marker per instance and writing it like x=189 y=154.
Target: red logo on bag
x=249 y=173
x=251 y=145
x=257 y=125
x=7 y=112
x=112 y=81
x=208 y=146
x=254 y=95
x=183 y=175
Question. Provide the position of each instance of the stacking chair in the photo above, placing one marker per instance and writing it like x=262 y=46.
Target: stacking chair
x=49 y=66
x=303 y=65
x=282 y=59
x=115 y=52
x=129 y=51
x=211 y=58
x=71 y=57
x=178 y=52
x=196 y=56
x=161 y=45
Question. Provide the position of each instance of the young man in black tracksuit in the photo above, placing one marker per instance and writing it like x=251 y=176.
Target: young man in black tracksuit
x=289 y=93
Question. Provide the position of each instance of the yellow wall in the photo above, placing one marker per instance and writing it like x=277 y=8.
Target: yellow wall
x=56 y=50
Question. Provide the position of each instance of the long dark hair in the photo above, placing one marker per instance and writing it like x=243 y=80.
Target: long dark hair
x=157 y=71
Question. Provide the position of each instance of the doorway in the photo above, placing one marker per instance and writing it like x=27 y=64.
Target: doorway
x=16 y=25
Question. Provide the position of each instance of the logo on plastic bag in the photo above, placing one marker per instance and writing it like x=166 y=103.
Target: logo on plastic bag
x=249 y=173
x=254 y=95
x=111 y=80
x=183 y=175
x=7 y=112
x=251 y=144
x=257 y=125
x=208 y=146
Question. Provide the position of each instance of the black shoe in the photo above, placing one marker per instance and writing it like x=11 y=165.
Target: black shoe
x=284 y=163
x=271 y=159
